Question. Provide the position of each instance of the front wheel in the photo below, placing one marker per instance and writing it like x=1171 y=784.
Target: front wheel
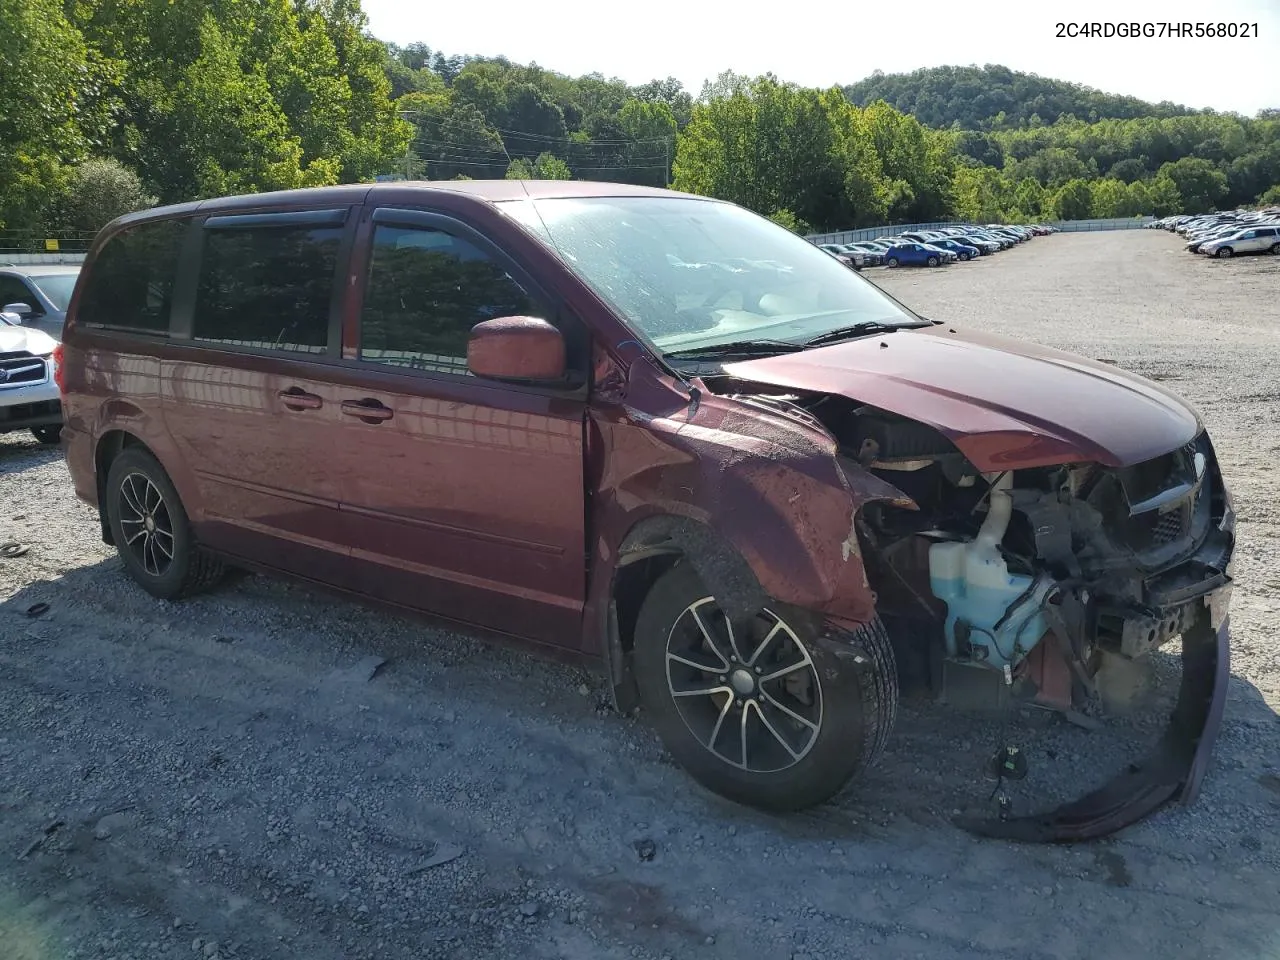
x=48 y=434
x=1225 y=252
x=1275 y=248
x=891 y=262
x=964 y=257
x=770 y=716
x=933 y=261
x=150 y=529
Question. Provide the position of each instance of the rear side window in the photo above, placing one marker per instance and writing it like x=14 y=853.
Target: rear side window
x=426 y=290
x=130 y=284
x=267 y=287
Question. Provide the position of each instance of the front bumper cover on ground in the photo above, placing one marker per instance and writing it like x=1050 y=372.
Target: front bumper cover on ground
x=1173 y=771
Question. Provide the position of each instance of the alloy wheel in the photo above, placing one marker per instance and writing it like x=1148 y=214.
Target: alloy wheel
x=755 y=701
x=147 y=526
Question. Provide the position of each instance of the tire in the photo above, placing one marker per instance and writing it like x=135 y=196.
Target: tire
x=813 y=727
x=964 y=257
x=932 y=261
x=143 y=506
x=1224 y=252
x=1275 y=248
x=891 y=262
x=48 y=434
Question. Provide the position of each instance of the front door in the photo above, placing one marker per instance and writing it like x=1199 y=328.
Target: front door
x=247 y=395
x=467 y=497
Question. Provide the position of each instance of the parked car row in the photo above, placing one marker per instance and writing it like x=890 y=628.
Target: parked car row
x=933 y=248
x=1229 y=233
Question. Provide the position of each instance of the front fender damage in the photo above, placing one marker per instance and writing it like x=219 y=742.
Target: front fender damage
x=770 y=507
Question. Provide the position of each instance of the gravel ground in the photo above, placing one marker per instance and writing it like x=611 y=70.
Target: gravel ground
x=236 y=776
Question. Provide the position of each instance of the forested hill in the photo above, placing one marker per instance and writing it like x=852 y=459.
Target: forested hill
x=993 y=97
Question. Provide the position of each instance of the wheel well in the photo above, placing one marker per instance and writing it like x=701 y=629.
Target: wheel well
x=110 y=446
x=631 y=584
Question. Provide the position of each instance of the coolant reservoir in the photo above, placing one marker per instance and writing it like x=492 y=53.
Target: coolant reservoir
x=974 y=581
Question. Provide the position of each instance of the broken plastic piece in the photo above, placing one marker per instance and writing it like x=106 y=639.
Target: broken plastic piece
x=1174 y=771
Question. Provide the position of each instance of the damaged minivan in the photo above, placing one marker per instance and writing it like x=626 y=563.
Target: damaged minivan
x=661 y=433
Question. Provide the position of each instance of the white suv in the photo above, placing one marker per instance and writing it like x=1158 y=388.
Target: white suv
x=29 y=394
x=1257 y=239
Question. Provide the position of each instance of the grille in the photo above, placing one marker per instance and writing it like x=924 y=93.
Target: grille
x=1170 y=527
x=21 y=368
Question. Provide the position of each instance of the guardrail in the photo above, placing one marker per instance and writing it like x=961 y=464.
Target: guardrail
x=23 y=259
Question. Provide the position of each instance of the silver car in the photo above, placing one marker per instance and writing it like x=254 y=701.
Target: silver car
x=1259 y=239
x=38 y=294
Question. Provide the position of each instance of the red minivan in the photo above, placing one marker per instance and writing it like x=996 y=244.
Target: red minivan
x=661 y=433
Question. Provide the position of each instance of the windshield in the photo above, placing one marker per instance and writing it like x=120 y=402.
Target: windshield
x=690 y=273
x=57 y=287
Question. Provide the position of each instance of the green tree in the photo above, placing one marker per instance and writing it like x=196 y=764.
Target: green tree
x=785 y=218
x=1164 y=198
x=1270 y=196
x=545 y=167
x=44 y=67
x=1029 y=199
x=96 y=192
x=1072 y=201
x=1109 y=198
x=1200 y=183
x=982 y=194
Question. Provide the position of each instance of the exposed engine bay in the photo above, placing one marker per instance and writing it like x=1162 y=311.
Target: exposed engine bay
x=1038 y=576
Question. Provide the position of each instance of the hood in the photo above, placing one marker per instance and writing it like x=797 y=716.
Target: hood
x=1004 y=403
x=14 y=339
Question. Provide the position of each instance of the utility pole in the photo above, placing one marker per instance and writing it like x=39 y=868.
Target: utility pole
x=666 y=146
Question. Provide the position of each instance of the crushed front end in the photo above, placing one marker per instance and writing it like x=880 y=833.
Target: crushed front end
x=1041 y=575
x=1042 y=578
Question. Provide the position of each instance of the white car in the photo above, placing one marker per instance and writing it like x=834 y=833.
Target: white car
x=29 y=394
x=1259 y=239
x=38 y=294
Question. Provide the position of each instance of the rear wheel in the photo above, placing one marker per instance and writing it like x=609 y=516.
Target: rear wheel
x=772 y=718
x=891 y=262
x=150 y=528
x=1225 y=252
x=48 y=434
x=1275 y=248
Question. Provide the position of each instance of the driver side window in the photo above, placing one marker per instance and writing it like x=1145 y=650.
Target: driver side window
x=425 y=290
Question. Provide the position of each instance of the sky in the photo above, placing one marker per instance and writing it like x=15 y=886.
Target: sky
x=837 y=42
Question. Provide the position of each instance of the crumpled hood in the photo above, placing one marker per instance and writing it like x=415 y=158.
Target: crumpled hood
x=1004 y=403
x=13 y=339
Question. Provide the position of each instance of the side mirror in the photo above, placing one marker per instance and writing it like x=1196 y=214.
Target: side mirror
x=23 y=310
x=516 y=348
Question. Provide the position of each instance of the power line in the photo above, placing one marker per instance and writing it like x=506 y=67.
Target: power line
x=494 y=163
x=542 y=136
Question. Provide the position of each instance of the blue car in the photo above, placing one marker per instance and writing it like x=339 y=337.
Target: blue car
x=963 y=251
x=912 y=254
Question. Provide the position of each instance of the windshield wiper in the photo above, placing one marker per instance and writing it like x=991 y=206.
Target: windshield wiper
x=735 y=348
x=864 y=329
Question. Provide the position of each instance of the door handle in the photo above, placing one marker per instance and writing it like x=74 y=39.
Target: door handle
x=295 y=398
x=368 y=410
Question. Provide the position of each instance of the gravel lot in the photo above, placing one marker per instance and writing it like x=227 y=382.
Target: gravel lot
x=230 y=777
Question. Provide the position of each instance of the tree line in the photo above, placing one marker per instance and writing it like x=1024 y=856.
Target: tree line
x=111 y=105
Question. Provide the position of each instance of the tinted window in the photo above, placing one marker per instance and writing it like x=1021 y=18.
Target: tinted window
x=130 y=283
x=267 y=287
x=425 y=292
x=13 y=290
